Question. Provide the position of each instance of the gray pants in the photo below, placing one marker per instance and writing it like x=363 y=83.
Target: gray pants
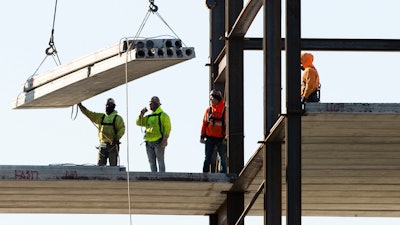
x=108 y=151
x=155 y=154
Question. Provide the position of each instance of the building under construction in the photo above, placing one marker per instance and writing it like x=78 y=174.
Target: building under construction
x=316 y=159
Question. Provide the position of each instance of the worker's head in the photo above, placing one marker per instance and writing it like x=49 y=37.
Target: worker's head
x=215 y=97
x=110 y=106
x=154 y=103
x=306 y=60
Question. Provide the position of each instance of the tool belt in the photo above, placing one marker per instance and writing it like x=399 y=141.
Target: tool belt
x=314 y=97
x=107 y=145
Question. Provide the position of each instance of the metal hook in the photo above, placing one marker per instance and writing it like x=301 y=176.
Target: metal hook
x=51 y=50
x=152 y=6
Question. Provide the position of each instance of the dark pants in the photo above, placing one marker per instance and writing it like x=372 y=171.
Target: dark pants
x=314 y=97
x=108 y=151
x=220 y=145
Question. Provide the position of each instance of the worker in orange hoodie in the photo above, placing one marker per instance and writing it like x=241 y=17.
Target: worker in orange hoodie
x=213 y=131
x=310 y=79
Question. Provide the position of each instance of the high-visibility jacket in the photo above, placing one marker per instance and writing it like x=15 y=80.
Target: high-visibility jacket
x=110 y=126
x=214 y=121
x=157 y=125
x=310 y=78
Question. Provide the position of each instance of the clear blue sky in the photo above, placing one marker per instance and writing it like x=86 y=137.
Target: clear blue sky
x=50 y=136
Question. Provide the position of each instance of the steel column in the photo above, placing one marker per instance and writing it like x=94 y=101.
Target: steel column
x=213 y=219
x=234 y=87
x=272 y=109
x=234 y=102
x=217 y=43
x=293 y=107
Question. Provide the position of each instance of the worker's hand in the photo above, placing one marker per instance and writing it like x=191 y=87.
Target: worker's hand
x=303 y=100
x=80 y=106
x=202 y=139
x=143 y=111
x=164 y=142
x=115 y=141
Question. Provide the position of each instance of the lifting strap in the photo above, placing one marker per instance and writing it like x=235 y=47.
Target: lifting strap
x=152 y=9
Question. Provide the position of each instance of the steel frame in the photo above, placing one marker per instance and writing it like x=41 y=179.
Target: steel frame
x=226 y=72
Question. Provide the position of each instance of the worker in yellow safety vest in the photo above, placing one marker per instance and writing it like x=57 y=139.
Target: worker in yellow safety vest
x=111 y=128
x=158 y=129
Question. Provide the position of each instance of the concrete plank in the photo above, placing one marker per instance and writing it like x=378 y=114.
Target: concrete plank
x=98 y=72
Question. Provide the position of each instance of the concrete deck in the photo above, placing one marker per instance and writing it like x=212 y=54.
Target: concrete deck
x=104 y=190
x=350 y=161
x=350 y=167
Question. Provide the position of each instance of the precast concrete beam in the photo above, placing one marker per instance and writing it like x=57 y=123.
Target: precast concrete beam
x=100 y=71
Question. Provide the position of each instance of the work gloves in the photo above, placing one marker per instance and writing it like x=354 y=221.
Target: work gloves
x=115 y=141
x=202 y=139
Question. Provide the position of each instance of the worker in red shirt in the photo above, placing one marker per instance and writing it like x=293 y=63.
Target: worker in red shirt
x=310 y=79
x=213 y=131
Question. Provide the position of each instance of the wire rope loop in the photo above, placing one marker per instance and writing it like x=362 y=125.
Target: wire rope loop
x=51 y=50
x=153 y=7
x=73 y=117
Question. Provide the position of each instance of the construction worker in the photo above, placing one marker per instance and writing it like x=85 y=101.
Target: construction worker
x=213 y=131
x=158 y=128
x=111 y=128
x=310 y=80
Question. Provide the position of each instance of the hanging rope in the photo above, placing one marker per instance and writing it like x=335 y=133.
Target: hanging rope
x=73 y=117
x=152 y=9
x=127 y=140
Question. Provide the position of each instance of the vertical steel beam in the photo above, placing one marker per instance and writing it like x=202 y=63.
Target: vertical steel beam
x=235 y=207
x=234 y=90
x=272 y=109
x=217 y=42
x=213 y=219
x=293 y=107
x=235 y=114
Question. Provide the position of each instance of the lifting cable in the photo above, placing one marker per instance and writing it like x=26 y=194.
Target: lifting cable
x=152 y=9
x=51 y=50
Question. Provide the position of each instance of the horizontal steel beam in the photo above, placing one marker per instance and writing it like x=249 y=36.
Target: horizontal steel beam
x=333 y=44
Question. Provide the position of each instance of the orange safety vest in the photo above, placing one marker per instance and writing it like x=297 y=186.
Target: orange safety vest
x=214 y=121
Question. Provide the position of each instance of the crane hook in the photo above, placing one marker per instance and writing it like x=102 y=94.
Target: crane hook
x=51 y=49
x=152 y=6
